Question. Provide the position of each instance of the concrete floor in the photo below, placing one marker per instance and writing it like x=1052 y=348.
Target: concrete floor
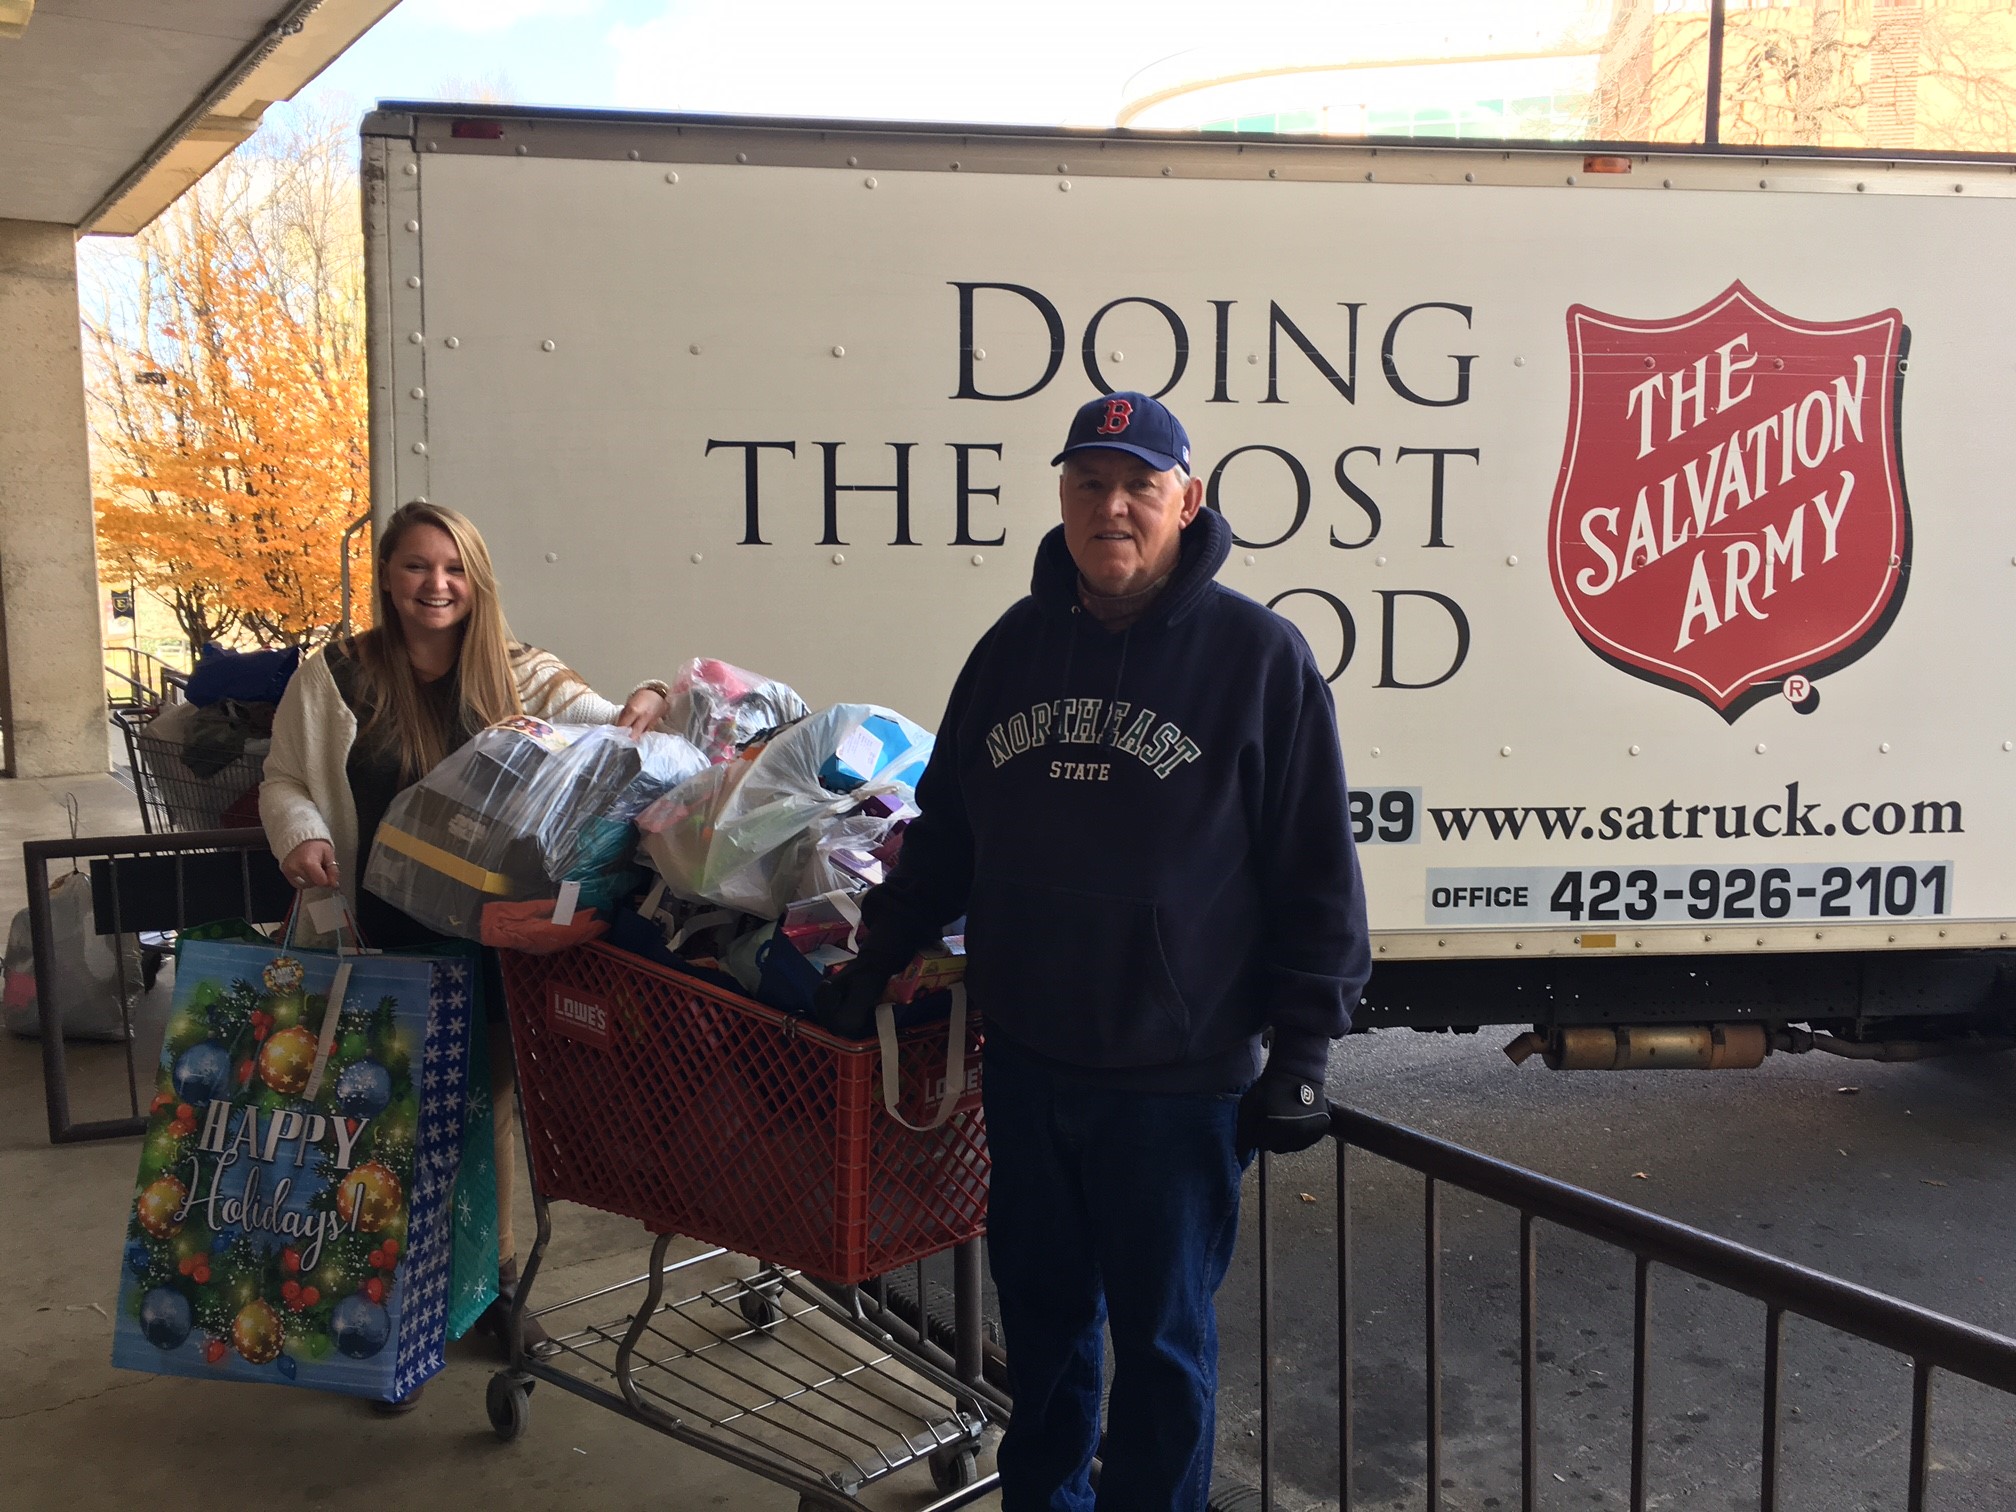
x=77 y=1435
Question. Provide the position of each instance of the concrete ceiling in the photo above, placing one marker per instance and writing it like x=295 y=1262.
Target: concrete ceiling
x=143 y=97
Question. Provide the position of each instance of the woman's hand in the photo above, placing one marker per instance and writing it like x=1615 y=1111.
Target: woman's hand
x=641 y=714
x=312 y=863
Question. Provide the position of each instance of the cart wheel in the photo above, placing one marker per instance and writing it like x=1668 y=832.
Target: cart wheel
x=151 y=958
x=954 y=1468
x=758 y=1310
x=509 y=1404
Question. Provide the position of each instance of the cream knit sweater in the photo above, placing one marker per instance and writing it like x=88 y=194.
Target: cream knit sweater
x=306 y=791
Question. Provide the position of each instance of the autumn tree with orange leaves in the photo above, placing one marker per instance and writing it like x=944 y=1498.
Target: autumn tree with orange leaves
x=228 y=397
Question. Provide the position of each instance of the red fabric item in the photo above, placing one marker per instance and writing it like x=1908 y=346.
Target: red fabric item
x=529 y=927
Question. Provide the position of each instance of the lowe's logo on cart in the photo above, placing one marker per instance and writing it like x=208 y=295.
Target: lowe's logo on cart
x=577 y=1015
x=936 y=1091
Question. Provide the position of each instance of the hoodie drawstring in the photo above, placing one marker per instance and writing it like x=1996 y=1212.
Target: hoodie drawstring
x=1109 y=723
x=1070 y=657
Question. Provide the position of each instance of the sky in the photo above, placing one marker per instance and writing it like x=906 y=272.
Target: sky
x=1034 y=62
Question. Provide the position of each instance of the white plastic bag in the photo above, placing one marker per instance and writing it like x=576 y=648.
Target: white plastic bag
x=746 y=834
x=841 y=860
x=84 y=970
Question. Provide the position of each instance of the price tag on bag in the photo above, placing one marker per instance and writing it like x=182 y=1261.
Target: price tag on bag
x=565 y=904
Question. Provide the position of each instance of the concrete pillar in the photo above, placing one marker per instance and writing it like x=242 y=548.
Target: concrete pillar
x=49 y=615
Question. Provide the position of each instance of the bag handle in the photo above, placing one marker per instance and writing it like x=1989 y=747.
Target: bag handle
x=705 y=920
x=325 y=1041
x=346 y=922
x=955 y=1064
x=850 y=911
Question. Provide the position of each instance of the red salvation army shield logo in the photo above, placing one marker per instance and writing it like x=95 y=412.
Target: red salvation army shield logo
x=1730 y=514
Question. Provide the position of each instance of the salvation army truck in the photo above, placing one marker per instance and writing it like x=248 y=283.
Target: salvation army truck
x=1647 y=513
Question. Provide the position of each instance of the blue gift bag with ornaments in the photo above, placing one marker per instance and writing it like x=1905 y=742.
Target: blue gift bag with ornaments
x=293 y=1220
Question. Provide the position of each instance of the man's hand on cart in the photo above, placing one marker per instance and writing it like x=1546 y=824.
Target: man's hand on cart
x=1281 y=1113
x=845 y=1001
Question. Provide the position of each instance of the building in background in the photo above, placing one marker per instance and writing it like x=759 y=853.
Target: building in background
x=1876 y=75
x=1472 y=69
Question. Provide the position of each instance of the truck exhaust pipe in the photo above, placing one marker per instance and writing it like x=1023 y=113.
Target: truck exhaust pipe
x=1663 y=1047
x=1800 y=1041
x=1721 y=1047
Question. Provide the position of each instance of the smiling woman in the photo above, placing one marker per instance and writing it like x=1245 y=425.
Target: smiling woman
x=370 y=715
x=375 y=712
x=429 y=585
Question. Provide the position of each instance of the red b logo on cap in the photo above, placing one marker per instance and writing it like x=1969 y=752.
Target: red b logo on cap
x=1118 y=413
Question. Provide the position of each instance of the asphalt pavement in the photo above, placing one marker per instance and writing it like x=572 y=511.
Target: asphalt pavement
x=1898 y=1177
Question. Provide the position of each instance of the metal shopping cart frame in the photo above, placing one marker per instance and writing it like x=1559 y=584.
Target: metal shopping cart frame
x=820 y=1387
x=171 y=797
x=771 y=1372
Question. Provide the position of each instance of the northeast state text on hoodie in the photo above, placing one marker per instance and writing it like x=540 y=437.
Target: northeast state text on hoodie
x=1148 y=832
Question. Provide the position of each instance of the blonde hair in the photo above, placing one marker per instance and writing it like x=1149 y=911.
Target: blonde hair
x=385 y=668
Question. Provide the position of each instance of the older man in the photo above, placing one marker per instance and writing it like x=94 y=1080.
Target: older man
x=1138 y=801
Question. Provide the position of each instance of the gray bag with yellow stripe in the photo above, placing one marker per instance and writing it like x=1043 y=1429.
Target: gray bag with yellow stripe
x=522 y=809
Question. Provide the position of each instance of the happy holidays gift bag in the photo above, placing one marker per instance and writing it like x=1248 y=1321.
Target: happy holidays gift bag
x=293 y=1217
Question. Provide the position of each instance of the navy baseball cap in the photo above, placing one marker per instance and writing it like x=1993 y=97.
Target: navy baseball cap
x=1129 y=422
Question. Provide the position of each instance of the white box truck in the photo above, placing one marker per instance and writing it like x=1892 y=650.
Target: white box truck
x=1671 y=710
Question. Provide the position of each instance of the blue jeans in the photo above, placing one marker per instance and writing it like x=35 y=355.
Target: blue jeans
x=1118 y=1209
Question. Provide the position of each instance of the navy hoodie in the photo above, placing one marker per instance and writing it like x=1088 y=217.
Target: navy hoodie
x=1148 y=832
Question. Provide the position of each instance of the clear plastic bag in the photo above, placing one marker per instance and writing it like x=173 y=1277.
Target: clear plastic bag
x=521 y=808
x=721 y=708
x=84 y=970
x=747 y=834
x=842 y=855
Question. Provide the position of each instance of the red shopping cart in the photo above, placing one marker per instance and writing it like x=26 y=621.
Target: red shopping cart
x=707 y=1116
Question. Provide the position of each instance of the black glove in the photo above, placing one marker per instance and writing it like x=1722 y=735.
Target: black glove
x=845 y=1001
x=1281 y=1113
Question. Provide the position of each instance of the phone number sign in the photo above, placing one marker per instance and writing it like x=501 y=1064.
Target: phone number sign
x=1721 y=894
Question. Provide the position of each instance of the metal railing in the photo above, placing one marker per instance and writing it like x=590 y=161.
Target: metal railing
x=143 y=682
x=1931 y=1341
x=139 y=884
